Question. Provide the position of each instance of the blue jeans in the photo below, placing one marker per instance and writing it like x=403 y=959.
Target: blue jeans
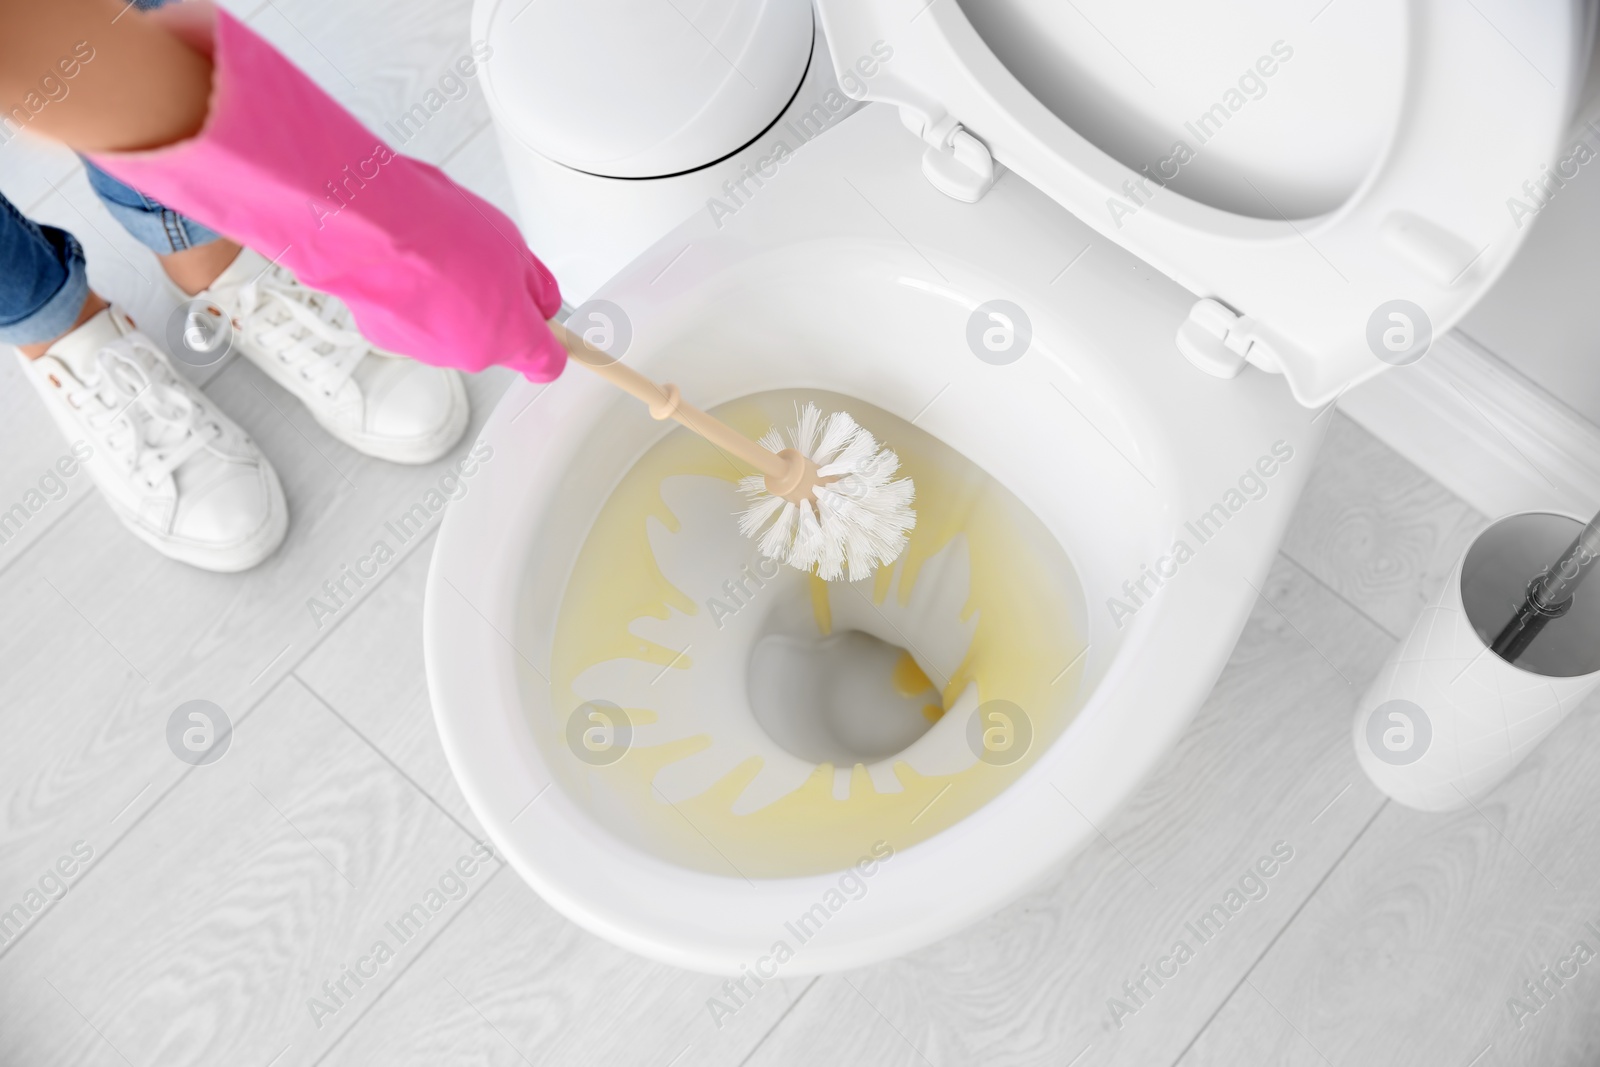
x=43 y=281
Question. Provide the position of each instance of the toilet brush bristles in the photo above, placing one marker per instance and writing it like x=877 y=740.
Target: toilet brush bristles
x=856 y=522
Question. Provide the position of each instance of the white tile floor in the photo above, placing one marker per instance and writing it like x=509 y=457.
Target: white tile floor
x=206 y=907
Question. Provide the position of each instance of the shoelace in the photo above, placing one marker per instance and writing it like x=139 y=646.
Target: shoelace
x=315 y=337
x=144 y=415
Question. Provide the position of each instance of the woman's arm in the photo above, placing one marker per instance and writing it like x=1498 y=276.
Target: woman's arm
x=143 y=87
x=193 y=108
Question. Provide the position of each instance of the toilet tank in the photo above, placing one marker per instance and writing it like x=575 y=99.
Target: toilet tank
x=618 y=120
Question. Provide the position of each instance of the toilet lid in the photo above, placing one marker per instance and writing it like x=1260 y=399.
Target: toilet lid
x=1312 y=172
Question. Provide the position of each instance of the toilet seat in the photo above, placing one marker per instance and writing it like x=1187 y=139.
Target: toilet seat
x=1429 y=224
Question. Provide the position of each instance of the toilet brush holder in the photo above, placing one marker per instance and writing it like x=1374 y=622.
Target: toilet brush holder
x=1448 y=717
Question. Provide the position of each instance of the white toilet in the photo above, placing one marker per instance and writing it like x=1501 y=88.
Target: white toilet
x=1150 y=388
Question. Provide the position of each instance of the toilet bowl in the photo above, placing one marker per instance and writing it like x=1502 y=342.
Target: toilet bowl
x=719 y=785
x=1100 y=429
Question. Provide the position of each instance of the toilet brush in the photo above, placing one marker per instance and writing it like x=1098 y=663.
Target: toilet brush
x=1549 y=594
x=828 y=503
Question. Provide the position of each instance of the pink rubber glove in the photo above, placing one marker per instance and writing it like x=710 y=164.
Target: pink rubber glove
x=427 y=268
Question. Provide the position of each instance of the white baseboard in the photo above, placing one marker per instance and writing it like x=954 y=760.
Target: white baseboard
x=1483 y=431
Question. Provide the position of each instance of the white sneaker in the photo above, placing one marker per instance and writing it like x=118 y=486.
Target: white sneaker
x=376 y=402
x=178 y=472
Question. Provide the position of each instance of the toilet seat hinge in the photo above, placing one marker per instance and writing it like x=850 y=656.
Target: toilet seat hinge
x=957 y=163
x=1220 y=341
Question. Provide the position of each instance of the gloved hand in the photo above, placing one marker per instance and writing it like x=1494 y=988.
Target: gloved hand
x=427 y=268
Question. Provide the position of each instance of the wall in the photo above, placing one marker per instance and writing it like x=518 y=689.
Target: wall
x=1543 y=316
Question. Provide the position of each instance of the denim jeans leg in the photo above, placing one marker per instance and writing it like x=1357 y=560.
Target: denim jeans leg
x=152 y=223
x=43 y=283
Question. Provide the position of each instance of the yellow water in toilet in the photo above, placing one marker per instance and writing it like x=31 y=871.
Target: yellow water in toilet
x=1022 y=601
x=908 y=678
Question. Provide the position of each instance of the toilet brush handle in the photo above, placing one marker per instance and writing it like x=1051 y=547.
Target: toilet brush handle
x=664 y=401
x=1549 y=594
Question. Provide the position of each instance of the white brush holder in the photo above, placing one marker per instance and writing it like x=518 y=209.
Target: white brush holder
x=1447 y=719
